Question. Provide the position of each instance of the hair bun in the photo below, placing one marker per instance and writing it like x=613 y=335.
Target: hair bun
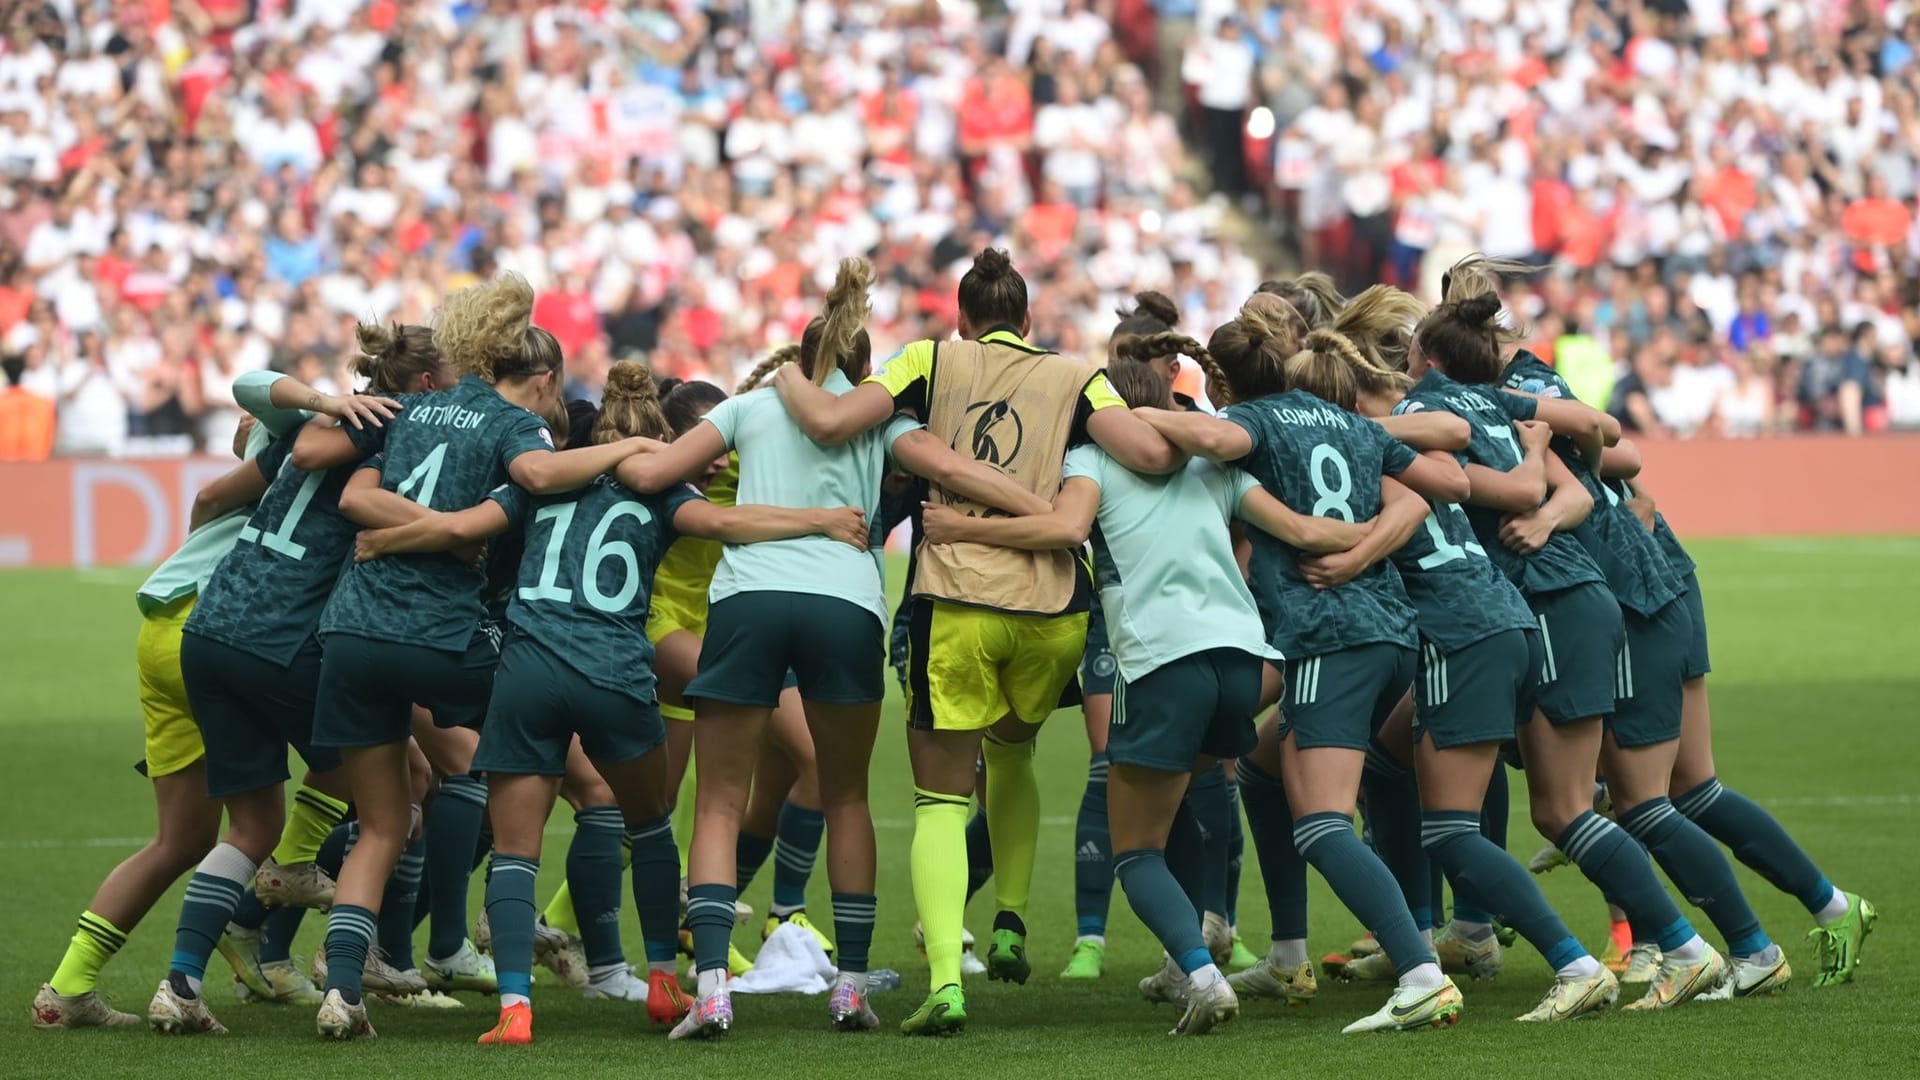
x=629 y=380
x=1156 y=305
x=1478 y=310
x=992 y=264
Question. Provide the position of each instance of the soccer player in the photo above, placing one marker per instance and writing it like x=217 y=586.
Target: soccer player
x=1212 y=821
x=1577 y=614
x=251 y=664
x=409 y=629
x=1153 y=313
x=1294 y=430
x=805 y=607
x=1191 y=651
x=996 y=634
x=576 y=664
x=189 y=822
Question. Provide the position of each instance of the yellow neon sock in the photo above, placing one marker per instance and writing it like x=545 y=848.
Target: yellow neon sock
x=313 y=816
x=939 y=862
x=93 y=944
x=1013 y=821
x=559 y=913
x=683 y=814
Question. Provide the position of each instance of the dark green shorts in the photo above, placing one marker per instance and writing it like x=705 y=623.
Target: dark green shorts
x=1098 y=671
x=835 y=650
x=1580 y=633
x=1698 y=663
x=1342 y=698
x=540 y=703
x=368 y=688
x=1198 y=704
x=1647 y=676
x=1475 y=694
x=249 y=711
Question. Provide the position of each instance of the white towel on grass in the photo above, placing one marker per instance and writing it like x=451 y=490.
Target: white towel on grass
x=790 y=962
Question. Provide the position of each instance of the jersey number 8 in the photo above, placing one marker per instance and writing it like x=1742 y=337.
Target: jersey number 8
x=599 y=550
x=1332 y=501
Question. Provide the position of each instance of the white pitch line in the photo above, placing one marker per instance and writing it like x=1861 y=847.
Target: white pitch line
x=1838 y=802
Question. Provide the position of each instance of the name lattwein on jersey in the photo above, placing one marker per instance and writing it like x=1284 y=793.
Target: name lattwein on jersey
x=447 y=416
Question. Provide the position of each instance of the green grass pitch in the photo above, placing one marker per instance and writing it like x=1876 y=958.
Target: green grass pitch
x=1816 y=700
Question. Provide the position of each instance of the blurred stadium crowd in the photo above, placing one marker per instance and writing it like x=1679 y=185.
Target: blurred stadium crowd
x=191 y=189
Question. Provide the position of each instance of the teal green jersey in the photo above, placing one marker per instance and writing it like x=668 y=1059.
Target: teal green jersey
x=1635 y=568
x=446 y=451
x=187 y=570
x=1679 y=563
x=1169 y=585
x=1327 y=462
x=267 y=595
x=586 y=579
x=1494 y=443
x=780 y=466
x=1458 y=596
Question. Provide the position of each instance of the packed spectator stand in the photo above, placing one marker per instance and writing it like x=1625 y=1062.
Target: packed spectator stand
x=192 y=189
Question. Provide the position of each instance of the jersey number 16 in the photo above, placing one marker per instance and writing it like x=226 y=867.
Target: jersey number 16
x=599 y=550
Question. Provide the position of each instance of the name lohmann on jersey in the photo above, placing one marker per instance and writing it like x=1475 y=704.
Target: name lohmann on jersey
x=1327 y=417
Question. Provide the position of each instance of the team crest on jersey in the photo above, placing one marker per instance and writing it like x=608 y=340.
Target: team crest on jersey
x=1406 y=407
x=997 y=432
x=1541 y=387
x=546 y=436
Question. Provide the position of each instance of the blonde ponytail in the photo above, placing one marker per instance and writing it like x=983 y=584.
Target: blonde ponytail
x=843 y=325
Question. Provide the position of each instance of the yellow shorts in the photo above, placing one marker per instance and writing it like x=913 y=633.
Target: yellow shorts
x=969 y=667
x=173 y=739
x=666 y=617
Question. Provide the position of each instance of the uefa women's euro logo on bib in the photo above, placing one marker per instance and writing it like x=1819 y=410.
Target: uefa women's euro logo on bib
x=997 y=432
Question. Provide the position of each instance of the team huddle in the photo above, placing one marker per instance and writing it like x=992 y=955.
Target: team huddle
x=1382 y=557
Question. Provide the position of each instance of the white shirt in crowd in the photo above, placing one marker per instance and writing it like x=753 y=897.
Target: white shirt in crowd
x=1221 y=70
